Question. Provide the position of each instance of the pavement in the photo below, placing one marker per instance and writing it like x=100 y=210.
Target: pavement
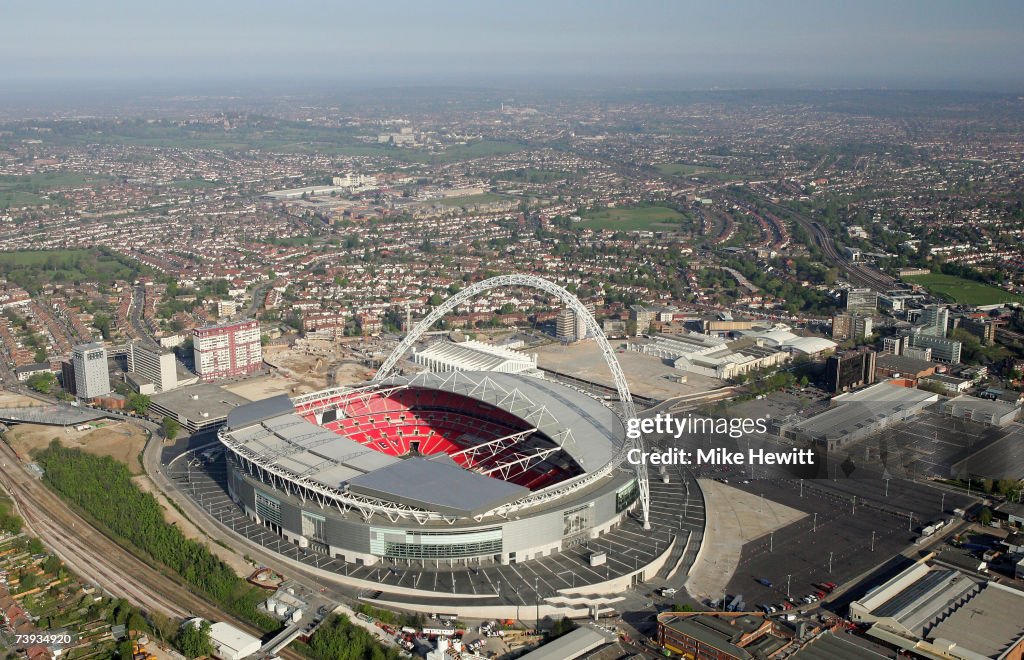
x=739 y=517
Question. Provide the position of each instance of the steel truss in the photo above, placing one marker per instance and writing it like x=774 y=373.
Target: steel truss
x=541 y=284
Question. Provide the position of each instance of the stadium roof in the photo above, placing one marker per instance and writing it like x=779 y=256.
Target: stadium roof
x=440 y=486
x=270 y=432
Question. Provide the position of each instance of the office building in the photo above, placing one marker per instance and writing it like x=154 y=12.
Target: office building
x=860 y=301
x=90 y=366
x=155 y=366
x=918 y=353
x=226 y=307
x=851 y=326
x=943 y=350
x=849 y=370
x=894 y=345
x=224 y=351
x=983 y=328
x=934 y=320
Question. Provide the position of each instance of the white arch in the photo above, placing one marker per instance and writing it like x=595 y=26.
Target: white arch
x=539 y=283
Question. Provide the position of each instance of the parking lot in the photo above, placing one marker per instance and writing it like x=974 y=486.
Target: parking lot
x=851 y=526
x=935 y=445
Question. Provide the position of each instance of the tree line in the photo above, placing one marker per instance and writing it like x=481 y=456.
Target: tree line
x=103 y=488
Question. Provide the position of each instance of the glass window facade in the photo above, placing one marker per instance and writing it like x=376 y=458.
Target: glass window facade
x=625 y=496
x=415 y=544
x=268 y=508
x=313 y=526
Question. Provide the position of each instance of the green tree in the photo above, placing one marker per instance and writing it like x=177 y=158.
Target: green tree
x=194 y=640
x=985 y=516
x=170 y=427
x=102 y=323
x=139 y=403
x=42 y=382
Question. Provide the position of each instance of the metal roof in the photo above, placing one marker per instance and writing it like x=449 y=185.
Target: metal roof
x=586 y=430
x=436 y=486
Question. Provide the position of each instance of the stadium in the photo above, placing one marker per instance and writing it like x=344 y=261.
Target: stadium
x=457 y=466
x=432 y=488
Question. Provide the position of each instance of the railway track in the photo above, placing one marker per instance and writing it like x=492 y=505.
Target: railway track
x=858 y=274
x=97 y=558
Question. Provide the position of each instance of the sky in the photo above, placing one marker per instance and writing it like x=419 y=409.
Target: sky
x=844 y=43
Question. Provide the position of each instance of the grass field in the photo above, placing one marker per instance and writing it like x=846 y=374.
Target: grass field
x=31 y=269
x=29 y=189
x=958 y=290
x=682 y=169
x=630 y=219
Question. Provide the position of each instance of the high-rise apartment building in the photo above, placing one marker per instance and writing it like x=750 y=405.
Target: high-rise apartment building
x=90 y=365
x=231 y=349
x=851 y=326
x=569 y=326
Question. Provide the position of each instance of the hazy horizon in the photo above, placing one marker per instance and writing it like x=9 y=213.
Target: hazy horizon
x=932 y=45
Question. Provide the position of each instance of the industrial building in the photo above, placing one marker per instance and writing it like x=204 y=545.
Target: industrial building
x=902 y=366
x=712 y=356
x=936 y=612
x=228 y=350
x=90 y=366
x=781 y=337
x=474 y=356
x=986 y=411
x=858 y=415
x=196 y=408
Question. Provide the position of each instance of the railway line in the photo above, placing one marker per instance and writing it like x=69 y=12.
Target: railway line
x=858 y=274
x=94 y=556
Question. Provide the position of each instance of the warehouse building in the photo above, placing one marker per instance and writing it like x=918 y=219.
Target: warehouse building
x=857 y=415
x=938 y=612
x=474 y=356
x=986 y=411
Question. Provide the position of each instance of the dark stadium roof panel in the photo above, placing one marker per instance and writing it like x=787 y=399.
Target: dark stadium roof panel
x=440 y=486
x=257 y=411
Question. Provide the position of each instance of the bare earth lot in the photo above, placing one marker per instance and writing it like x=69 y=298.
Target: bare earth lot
x=119 y=440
